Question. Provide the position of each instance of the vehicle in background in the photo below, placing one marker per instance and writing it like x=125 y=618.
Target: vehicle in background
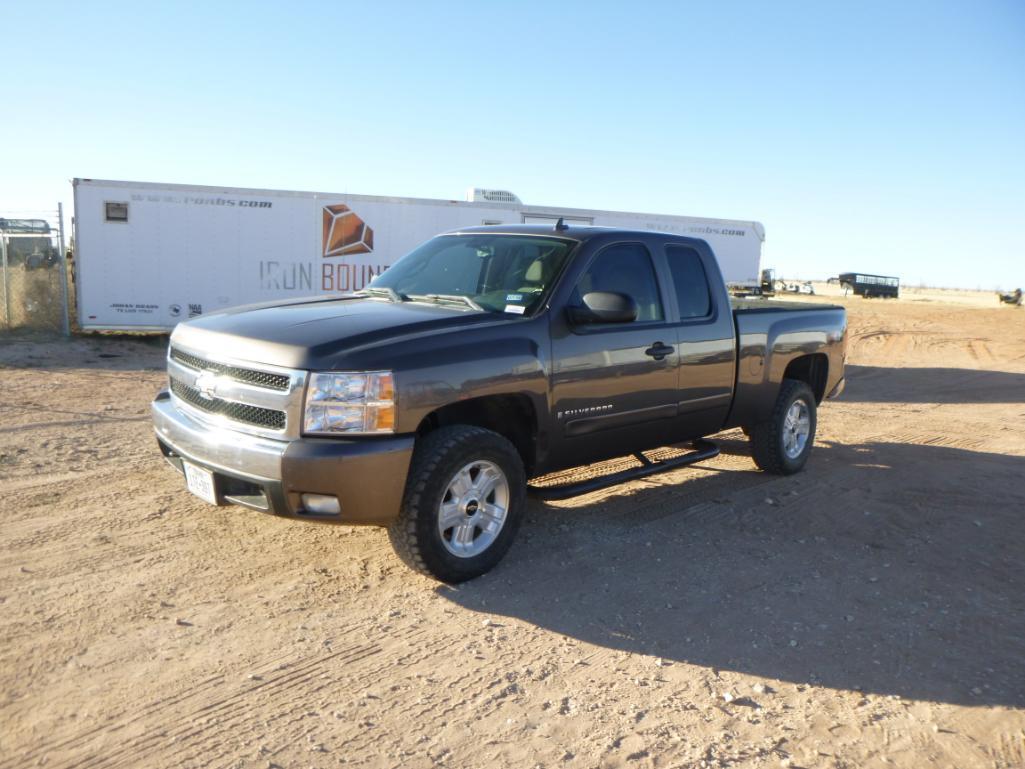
x=1013 y=298
x=782 y=287
x=766 y=286
x=149 y=256
x=28 y=242
x=863 y=284
x=486 y=357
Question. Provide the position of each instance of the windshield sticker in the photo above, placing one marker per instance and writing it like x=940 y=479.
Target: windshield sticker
x=515 y=309
x=514 y=297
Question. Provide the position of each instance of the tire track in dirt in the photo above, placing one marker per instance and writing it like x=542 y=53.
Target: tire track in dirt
x=913 y=438
x=1008 y=753
x=207 y=713
x=981 y=351
x=86 y=496
x=40 y=752
x=289 y=696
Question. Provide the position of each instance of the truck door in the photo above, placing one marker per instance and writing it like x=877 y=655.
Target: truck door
x=705 y=342
x=614 y=385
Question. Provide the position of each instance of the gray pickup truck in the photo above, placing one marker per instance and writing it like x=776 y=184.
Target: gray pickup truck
x=484 y=358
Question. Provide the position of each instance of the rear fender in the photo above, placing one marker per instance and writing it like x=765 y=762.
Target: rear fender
x=770 y=346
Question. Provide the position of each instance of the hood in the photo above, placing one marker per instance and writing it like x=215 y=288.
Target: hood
x=318 y=334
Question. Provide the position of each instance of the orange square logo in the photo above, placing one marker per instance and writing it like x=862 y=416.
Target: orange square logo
x=345 y=233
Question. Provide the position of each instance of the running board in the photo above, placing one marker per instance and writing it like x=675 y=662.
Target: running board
x=702 y=450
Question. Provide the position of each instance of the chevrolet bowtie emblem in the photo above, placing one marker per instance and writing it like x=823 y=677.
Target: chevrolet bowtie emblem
x=206 y=383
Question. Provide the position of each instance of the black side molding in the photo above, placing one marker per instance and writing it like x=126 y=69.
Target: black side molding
x=702 y=450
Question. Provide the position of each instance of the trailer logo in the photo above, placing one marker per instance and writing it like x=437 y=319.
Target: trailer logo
x=345 y=233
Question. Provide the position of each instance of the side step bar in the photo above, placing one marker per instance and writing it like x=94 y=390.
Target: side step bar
x=702 y=450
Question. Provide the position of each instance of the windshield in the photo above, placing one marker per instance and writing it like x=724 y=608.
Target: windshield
x=496 y=273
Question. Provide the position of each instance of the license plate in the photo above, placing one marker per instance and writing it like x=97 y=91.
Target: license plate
x=200 y=482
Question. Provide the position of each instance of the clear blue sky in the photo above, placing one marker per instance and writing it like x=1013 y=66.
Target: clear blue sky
x=877 y=136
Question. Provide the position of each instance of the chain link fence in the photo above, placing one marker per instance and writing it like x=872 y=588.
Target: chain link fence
x=33 y=272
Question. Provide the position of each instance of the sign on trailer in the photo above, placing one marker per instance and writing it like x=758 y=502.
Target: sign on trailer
x=149 y=256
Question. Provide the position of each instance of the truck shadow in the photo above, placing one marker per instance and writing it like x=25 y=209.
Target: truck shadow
x=890 y=568
x=877 y=384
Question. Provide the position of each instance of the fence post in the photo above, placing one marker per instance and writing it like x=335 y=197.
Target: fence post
x=7 y=283
x=63 y=277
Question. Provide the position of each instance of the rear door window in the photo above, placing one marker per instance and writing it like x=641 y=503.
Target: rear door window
x=692 y=294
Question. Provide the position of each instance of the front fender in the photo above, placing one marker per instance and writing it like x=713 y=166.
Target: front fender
x=503 y=360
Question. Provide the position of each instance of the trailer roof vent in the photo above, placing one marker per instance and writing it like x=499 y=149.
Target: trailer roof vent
x=481 y=195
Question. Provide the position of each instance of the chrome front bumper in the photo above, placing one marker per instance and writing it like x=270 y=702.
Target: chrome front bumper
x=368 y=476
x=217 y=448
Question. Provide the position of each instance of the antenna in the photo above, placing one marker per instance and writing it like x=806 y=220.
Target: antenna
x=560 y=225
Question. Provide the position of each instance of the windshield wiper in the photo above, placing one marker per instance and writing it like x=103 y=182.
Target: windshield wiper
x=459 y=298
x=387 y=291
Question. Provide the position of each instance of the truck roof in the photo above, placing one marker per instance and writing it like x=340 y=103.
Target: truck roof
x=578 y=232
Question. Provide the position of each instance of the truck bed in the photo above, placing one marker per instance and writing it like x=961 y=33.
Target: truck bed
x=770 y=334
x=761 y=305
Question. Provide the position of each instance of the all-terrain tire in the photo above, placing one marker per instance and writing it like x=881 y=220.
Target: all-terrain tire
x=437 y=459
x=768 y=441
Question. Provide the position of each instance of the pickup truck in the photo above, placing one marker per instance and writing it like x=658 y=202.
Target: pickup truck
x=483 y=359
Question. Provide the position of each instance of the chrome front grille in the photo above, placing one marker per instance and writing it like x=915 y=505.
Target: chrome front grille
x=254 y=398
x=248 y=375
x=238 y=412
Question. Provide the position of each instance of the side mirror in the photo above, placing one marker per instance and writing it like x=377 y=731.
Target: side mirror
x=604 y=307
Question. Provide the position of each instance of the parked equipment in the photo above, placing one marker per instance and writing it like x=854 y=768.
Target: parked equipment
x=870 y=285
x=152 y=255
x=1012 y=298
x=806 y=287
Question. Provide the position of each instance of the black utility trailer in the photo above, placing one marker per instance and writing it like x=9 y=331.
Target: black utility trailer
x=870 y=285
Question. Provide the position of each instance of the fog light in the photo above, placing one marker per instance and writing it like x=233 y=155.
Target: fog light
x=323 y=504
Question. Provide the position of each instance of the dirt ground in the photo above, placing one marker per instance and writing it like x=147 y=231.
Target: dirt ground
x=868 y=612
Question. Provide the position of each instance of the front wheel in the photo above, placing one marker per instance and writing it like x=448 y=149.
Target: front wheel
x=464 y=501
x=781 y=444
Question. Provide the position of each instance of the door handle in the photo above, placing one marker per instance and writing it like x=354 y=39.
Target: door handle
x=658 y=350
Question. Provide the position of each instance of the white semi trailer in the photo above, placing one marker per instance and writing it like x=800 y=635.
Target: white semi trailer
x=150 y=255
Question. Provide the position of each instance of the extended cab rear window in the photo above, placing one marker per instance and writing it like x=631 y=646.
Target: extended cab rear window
x=692 y=294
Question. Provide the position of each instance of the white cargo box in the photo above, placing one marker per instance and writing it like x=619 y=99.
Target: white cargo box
x=150 y=255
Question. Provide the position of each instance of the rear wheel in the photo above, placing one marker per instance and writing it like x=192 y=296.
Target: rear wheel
x=463 y=504
x=781 y=444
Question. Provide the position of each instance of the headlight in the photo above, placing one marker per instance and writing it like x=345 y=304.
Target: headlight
x=350 y=403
